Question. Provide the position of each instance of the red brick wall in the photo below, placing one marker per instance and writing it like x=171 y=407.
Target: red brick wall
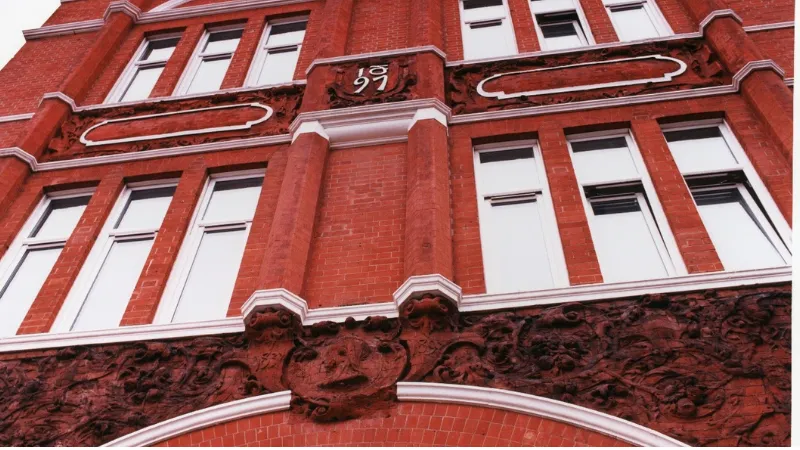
x=39 y=67
x=357 y=248
x=409 y=424
x=78 y=11
x=777 y=45
x=678 y=18
x=452 y=30
x=377 y=25
x=11 y=131
x=755 y=12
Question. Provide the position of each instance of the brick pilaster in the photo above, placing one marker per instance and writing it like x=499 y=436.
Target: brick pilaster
x=244 y=54
x=425 y=23
x=524 y=29
x=149 y=288
x=52 y=112
x=289 y=243
x=428 y=231
x=573 y=226
x=764 y=90
x=247 y=280
x=48 y=302
x=690 y=234
x=336 y=26
x=178 y=62
x=599 y=21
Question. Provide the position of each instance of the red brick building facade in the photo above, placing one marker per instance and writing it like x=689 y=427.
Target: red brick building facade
x=455 y=222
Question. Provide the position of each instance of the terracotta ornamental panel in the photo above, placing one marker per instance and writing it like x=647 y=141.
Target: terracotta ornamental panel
x=580 y=76
x=176 y=123
x=372 y=81
x=707 y=368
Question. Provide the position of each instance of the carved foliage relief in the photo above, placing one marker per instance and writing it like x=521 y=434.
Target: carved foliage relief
x=372 y=81
x=580 y=76
x=229 y=110
x=708 y=368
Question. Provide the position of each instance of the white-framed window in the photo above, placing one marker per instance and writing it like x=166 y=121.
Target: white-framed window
x=101 y=291
x=203 y=278
x=630 y=232
x=637 y=19
x=144 y=70
x=519 y=235
x=278 y=51
x=744 y=223
x=30 y=258
x=486 y=29
x=210 y=61
x=560 y=24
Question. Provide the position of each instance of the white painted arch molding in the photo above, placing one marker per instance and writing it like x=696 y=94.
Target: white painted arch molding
x=410 y=392
x=535 y=406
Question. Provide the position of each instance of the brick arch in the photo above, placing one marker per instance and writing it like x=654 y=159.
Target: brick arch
x=407 y=424
x=426 y=414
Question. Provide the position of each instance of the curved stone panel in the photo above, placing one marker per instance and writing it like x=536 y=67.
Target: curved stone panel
x=570 y=78
x=177 y=123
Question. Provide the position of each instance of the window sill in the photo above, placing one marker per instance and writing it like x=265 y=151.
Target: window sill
x=469 y=303
x=611 y=291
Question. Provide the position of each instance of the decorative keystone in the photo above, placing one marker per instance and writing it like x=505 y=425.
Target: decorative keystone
x=420 y=285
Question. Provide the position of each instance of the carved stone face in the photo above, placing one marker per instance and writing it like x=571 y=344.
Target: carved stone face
x=346 y=366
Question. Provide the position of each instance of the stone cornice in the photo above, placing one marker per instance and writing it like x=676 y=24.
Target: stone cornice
x=718 y=14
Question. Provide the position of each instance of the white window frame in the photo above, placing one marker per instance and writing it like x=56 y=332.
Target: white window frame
x=552 y=238
x=22 y=243
x=465 y=26
x=198 y=57
x=261 y=54
x=650 y=8
x=98 y=254
x=124 y=81
x=191 y=244
x=755 y=213
x=548 y=7
x=770 y=208
x=657 y=223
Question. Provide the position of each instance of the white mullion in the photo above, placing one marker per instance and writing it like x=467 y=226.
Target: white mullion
x=109 y=235
x=187 y=254
x=656 y=235
x=260 y=59
x=124 y=81
x=555 y=248
x=755 y=213
x=583 y=30
x=199 y=56
x=759 y=189
x=660 y=217
x=541 y=196
x=183 y=263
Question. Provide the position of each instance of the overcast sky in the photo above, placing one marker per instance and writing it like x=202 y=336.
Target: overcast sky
x=18 y=15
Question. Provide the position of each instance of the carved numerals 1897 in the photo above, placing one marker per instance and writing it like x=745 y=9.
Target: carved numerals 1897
x=378 y=74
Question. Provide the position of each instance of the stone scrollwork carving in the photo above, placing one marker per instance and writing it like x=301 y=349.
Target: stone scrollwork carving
x=232 y=115
x=580 y=76
x=378 y=80
x=707 y=368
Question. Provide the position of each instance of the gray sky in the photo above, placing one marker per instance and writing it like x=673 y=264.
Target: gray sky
x=18 y=15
